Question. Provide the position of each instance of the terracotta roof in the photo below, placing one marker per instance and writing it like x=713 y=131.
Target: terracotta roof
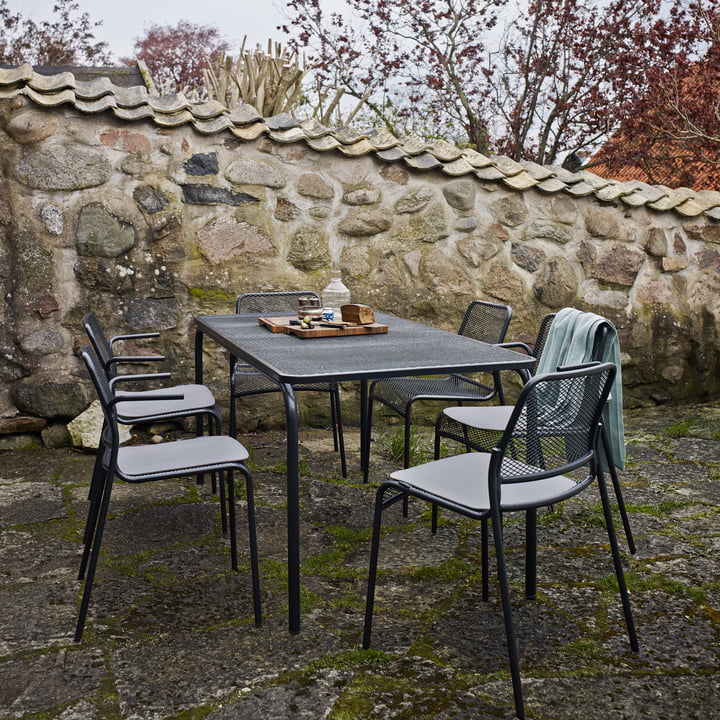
x=672 y=163
x=136 y=103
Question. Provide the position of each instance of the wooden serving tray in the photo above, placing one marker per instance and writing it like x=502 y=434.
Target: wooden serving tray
x=283 y=325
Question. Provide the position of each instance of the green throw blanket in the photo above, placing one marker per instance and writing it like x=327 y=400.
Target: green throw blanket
x=570 y=341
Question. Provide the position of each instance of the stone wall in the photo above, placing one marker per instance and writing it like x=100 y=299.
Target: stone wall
x=148 y=226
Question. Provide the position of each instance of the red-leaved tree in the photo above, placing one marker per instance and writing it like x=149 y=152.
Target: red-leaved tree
x=559 y=77
x=66 y=40
x=176 y=56
x=674 y=128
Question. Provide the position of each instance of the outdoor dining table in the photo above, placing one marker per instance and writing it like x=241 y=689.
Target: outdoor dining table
x=408 y=348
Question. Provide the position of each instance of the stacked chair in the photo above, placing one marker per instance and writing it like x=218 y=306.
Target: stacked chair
x=147 y=463
x=145 y=407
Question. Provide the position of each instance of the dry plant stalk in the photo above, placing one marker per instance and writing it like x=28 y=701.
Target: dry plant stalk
x=272 y=83
x=269 y=81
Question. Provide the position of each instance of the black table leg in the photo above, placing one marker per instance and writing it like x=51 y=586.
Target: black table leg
x=293 y=508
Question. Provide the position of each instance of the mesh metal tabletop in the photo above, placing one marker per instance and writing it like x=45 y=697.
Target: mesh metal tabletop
x=408 y=348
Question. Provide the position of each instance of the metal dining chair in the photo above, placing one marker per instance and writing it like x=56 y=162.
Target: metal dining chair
x=479 y=428
x=145 y=407
x=246 y=380
x=484 y=321
x=547 y=453
x=163 y=461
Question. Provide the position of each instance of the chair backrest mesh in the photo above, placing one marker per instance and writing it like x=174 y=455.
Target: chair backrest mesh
x=100 y=343
x=555 y=422
x=541 y=339
x=486 y=321
x=271 y=302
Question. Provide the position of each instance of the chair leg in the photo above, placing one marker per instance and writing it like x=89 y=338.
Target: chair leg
x=367 y=433
x=507 y=615
x=406 y=458
x=223 y=506
x=97 y=485
x=485 y=561
x=338 y=433
x=231 y=513
x=94 y=555
x=618 y=492
x=372 y=574
x=333 y=420
x=252 y=537
x=530 y=553
x=617 y=560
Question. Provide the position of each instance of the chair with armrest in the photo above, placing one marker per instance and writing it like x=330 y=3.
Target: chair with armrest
x=163 y=461
x=547 y=453
x=245 y=380
x=143 y=407
x=577 y=338
x=483 y=321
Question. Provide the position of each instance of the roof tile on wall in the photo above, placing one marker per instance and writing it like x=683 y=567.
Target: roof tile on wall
x=423 y=161
x=133 y=104
x=51 y=83
x=521 y=181
x=323 y=143
x=107 y=102
x=93 y=89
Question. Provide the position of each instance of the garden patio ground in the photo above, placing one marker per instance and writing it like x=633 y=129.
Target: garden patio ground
x=170 y=632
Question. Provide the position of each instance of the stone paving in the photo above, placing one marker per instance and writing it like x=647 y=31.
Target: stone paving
x=170 y=632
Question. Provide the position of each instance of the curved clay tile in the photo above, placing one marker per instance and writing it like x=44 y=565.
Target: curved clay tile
x=458 y=167
x=490 y=173
x=249 y=132
x=476 y=159
x=580 y=189
x=551 y=185
x=392 y=154
x=506 y=165
x=382 y=138
x=423 y=161
x=174 y=119
x=313 y=128
x=323 y=143
x=356 y=149
x=673 y=198
x=93 y=89
x=444 y=151
x=522 y=181
x=93 y=107
x=212 y=125
x=131 y=97
x=132 y=114
x=51 y=99
x=283 y=121
x=17 y=75
x=290 y=135
x=244 y=114
x=209 y=109
x=539 y=172
x=166 y=104
x=51 y=83
x=347 y=135
x=615 y=191
x=414 y=145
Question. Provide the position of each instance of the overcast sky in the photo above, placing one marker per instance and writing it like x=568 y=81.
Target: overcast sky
x=125 y=20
